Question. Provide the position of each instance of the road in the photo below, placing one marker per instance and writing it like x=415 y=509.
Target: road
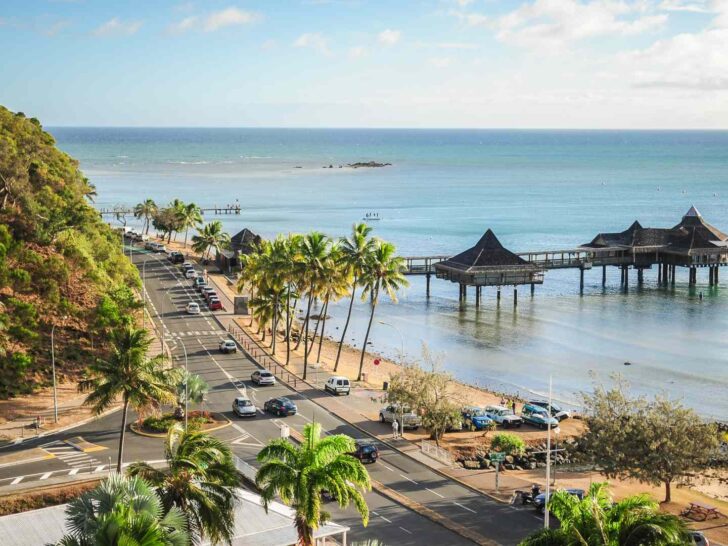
x=228 y=376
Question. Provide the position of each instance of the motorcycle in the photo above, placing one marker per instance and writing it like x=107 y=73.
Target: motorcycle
x=528 y=497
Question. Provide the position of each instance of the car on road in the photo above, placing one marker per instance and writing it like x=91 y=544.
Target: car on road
x=149 y=245
x=199 y=283
x=475 y=418
x=205 y=292
x=228 y=346
x=243 y=407
x=338 y=384
x=263 y=377
x=190 y=274
x=539 y=502
x=193 y=308
x=157 y=247
x=214 y=304
x=176 y=257
x=281 y=406
x=556 y=411
x=366 y=451
x=699 y=538
x=187 y=265
x=405 y=417
x=538 y=417
x=503 y=416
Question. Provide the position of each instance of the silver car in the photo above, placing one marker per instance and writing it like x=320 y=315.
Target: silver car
x=243 y=407
x=263 y=377
x=405 y=416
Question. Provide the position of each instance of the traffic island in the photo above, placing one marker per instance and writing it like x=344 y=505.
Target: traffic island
x=158 y=426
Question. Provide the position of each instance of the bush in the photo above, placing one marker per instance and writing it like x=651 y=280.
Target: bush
x=509 y=444
x=159 y=424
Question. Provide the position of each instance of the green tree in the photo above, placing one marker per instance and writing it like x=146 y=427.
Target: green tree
x=597 y=521
x=510 y=444
x=146 y=209
x=382 y=274
x=354 y=255
x=210 y=237
x=191 y=388
x=127 y=372
x=190 y=216
x=200 y=480
x=654 y=441
x=123 y=511
x=298 y=475
x=314 y=254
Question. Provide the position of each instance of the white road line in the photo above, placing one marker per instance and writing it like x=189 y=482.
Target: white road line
x=435 y=493
x=406 y=530
x=73 y=472
x=17 y=480
x=45 y=476
x=409 y=479
x=99 y=468
x=385 y=466
x=381 y=516
x=465 y=507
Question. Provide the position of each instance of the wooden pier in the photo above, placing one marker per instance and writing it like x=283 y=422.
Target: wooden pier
x=215 y=210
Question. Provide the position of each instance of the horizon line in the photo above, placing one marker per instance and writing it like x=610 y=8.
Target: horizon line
x=354 y=128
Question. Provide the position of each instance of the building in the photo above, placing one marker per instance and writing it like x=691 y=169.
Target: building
x=243 y=242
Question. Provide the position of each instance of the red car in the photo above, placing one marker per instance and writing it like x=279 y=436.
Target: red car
x=214 y=304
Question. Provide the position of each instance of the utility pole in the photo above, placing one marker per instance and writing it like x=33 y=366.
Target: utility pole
x=187 y=377
x=53 y=366
x=548 y=462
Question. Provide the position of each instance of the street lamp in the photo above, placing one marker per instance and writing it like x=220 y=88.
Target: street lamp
x=401 y=338
x=548 y=461
x=53 y=367
x=187 y=377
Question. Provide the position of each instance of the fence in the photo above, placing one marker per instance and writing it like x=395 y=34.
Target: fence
x=431 y=449
x=261 y=356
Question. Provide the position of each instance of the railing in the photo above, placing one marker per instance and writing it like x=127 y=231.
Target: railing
x=431 y=449
x=421 y=265
x=261 y=356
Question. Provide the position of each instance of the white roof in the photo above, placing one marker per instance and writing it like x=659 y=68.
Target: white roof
x=693 y=213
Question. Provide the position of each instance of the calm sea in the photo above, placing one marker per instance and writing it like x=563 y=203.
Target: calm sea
x=535 y=189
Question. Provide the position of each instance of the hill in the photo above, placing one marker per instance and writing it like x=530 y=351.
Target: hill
x=60 y=264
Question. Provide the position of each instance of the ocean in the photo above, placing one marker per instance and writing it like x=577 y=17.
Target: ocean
x=536 y=189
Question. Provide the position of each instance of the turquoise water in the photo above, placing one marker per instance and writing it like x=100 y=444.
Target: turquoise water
x=536 y=189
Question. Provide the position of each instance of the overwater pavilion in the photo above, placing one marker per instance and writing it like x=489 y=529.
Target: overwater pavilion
x=488 y=263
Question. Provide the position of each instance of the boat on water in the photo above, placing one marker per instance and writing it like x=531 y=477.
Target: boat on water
x=371 y=217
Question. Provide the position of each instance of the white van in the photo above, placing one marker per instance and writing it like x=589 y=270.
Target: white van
x=338 y=385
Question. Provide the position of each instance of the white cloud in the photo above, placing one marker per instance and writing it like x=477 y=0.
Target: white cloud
x=456 y=45
x=357 y=52
x=227 y=17
x=188 y=23
x=683 y=5
x=440 y=62
x=313 y=40
x=389 y=37
x=117 y=27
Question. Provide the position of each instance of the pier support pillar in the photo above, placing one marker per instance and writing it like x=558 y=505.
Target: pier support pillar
x=477 y=296
x=672 y=277
x=533 y=288
x=427 y=284
x=581 y=280
x=659 y=273
x=710 y=275
x=640 y=275
x=626 y=276
x=515 y=297
x=715 y=275
x=498 y=297
x=693 y=276
x=604 y=275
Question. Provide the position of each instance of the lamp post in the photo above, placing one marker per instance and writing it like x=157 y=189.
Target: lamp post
x=401 y=360
x=548 y=462
x=187 y=376
x=53 y=367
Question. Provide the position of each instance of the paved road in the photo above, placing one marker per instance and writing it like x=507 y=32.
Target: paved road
x=228 y=375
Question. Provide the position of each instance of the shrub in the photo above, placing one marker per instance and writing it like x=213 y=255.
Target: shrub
x=508 y=443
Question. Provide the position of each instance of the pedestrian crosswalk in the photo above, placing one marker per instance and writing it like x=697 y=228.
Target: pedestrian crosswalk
x=71 y=456
x=196 y=333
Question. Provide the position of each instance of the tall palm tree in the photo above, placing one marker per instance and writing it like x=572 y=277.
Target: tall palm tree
x=355 y=251
x=334 y=285
x=127 y=372
x=292 y=273
x=177 y=209
x=190 y=215
x=298 y=475
x=211 y=236
x=382 y=274
x=124 y=510
x=147 y=209
x=314 y=253
x=597 y=521
x=201 y=480
x=190 y=388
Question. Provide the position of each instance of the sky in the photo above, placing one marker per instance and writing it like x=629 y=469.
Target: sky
x=608 y=64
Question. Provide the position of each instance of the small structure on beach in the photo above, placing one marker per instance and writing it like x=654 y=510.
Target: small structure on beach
x=488 y=263
x=243 y=242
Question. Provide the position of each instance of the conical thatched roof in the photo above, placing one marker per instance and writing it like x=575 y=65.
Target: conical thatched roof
x=693 y=222
x=244 y=241
x=487 y=252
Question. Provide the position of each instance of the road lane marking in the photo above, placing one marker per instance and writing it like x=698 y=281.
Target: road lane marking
x=435 y=493
x=17 y=480
x=381 y=516
x=406 y=530
x=73 y=472
x=99 y=468
x=409 y=479
x=385 y=466
x=45 y=476
x=465 y=507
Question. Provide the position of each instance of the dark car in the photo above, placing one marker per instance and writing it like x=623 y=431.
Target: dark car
x=280 y=406
x=366 y=451
x=556 y=411
x=176 y=257
x=539 y=502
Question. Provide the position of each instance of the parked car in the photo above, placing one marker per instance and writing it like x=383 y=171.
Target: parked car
x=281 y=406
x=187 y=265
x=214 y=304
x=176 y=257
x=228 y=346
x=243 y=407
x=475 y=418
x=556 y=410
x=193 y=308
x=190 y=274
x=503 y=416
x=263 y=377
x=366 y=451
x=406 y=417
x=337 y=384
x=699 y=538
x=539 y=502
x=205 y=292
x=157 y=247
x=199 y=283
x=538 y=417
x=149 y=245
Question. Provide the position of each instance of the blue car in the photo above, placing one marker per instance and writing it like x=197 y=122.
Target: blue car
x=475 y=418
x=538 y=417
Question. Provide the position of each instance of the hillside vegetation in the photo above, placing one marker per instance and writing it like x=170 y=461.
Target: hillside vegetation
x=60 y=264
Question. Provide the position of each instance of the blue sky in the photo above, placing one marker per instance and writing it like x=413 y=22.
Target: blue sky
x=348 y=63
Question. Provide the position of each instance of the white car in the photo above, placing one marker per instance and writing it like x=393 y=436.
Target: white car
x=228 y=346
x=243 y=407
x=405 y=416
x=193 y=308
x=190 y=274
x=338 y=384
x=263 y=377
x=503 y=416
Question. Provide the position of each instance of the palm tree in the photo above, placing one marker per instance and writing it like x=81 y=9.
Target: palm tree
x=596 y=521
x=189 y=216
x=201 y=480
x=298 y=475
x=128 y=373
x=314 y=252
x=124 y=510
x=190 y=388
x=382 y=273
x=334 y=286
x=146 y=210
x=211 y=236
x=355 y=252
x=177 y=209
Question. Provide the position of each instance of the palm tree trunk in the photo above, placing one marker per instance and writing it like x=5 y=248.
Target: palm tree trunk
x=186 y=232
x=668 y=492
x=366 y=336
x=121 y=436
x=305 y=343
x=288 y=325
x=315 y=330
x=346 y=324
x=274 y=323
x=310 y=299
x=304 y=530
x=323 y=328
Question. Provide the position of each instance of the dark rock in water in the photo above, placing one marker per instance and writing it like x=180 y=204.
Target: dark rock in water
x=361 y=164
x=627 y=363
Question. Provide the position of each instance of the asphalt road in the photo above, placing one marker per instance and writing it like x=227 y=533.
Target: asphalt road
x=228 y=376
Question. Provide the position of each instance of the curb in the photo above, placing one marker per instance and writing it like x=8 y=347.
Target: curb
x=25 y=461
x=77 y=441
x=135 y=429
